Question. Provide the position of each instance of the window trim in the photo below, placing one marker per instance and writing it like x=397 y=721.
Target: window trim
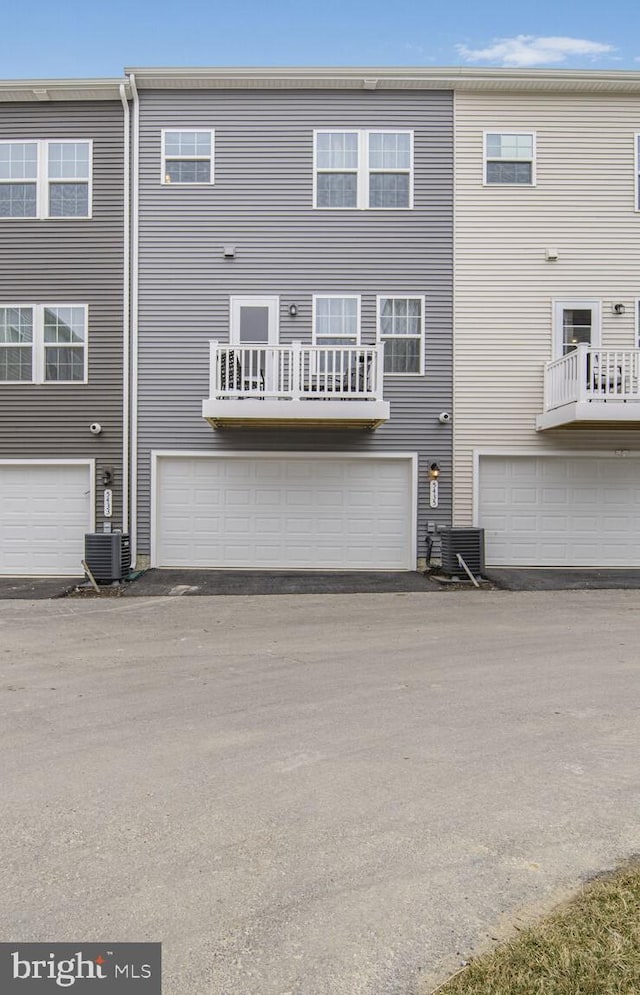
x=637 y=322
x=380 y=339
x=42 y=180
x=363 y=170
x=163 y=157
x=533 y=160
x=38 y=345
x=561 y=304
x=314 y=316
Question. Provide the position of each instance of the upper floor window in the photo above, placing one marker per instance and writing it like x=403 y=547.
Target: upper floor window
x=401 y=329
x=43 y=343
x=363 y=169
x=187 y=156
x=510 y=158
x=45 y=179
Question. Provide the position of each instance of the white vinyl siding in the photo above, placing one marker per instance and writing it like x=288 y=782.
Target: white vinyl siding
x=365 y=170
x=43 y=343
x=46 y=179
x=187 y=156
x=505 y=287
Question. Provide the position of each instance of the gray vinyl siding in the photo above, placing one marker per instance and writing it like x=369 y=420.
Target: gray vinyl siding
x=261 y=202
x=70 y=261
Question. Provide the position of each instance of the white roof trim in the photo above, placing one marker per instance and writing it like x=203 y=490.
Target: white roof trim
x=38 y=90
x=456 y=78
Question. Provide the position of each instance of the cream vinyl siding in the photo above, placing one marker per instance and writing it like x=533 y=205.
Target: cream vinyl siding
x=582 y=204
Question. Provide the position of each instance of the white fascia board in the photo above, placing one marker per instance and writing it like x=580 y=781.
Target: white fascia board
x=388 y=78
x=42 y=90
x=295 y=411
x=615 y=413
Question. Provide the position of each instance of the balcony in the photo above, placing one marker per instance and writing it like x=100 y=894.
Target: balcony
x=296 y=385
x=592 y=388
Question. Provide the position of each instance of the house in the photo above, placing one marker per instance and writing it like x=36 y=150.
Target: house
x=292 y=317
x=547 y=282
x=245 y=282
x=63 y=320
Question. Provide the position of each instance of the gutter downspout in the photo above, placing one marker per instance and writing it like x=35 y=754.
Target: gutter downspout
x=135 y=193
x=126 y=303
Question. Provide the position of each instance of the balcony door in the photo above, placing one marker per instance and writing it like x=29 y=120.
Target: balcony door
x=575 y=322
x=254 y=326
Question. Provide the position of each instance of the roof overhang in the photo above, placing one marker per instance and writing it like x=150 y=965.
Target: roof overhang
x=388 y=78
x=43 y=90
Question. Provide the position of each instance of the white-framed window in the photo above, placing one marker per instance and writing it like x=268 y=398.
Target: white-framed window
x=187 y=156
x=336 y=319
x=336 y=323
x=510 y=158
x=46 y=179
x=43 y=343
x=575 y=322
x=363 y=169
x=401 y=329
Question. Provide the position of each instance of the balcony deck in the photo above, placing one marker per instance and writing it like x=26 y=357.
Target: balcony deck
x=296 y=385
x=591 y=388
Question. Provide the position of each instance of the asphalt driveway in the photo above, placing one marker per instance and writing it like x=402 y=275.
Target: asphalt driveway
x=312 y=795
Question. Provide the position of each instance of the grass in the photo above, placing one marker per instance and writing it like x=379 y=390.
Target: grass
x=591 y=946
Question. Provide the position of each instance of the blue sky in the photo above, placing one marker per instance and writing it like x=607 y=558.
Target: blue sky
x=72 y=38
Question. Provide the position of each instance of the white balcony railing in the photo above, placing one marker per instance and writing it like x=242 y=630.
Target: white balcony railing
x=296 y=372
x=587 y=374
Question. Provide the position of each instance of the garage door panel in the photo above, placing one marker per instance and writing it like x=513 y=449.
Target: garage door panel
x=337 y=513
x=45 y=511
x=575 y=511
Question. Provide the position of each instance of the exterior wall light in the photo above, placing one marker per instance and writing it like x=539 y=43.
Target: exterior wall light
x=293 y=310
x=434 y=471
x=619 y=309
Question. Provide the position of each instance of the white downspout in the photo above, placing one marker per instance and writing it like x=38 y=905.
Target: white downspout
x=126 y=303
x=135 y=190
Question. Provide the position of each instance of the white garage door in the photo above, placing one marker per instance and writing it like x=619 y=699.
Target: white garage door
x=318 y=512
x=45 y=511
x=561 y=511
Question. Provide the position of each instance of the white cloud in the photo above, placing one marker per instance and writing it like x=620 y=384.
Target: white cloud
x=531 y=50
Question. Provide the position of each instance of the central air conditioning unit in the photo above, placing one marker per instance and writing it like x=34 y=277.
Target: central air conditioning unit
x=469 y=544
x=108 y=555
